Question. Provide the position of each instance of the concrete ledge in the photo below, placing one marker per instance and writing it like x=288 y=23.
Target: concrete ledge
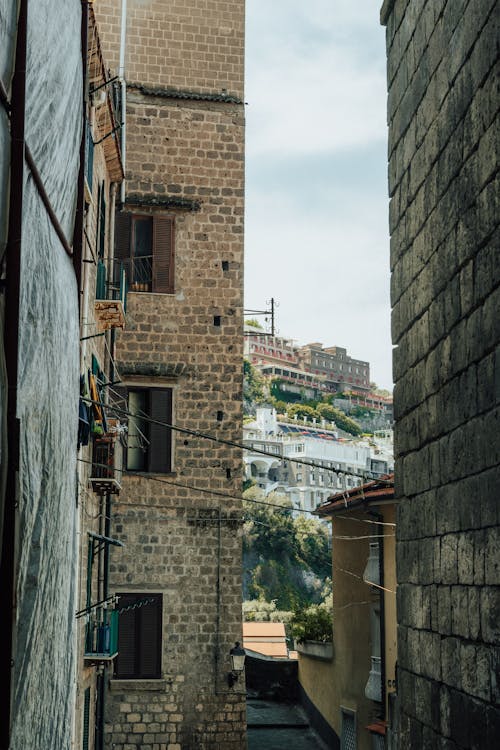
x=316 y=650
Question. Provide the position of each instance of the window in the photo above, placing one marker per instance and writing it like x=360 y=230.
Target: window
x=149 y=445
x=144 y=243
x=139 y=636
x=348 y=730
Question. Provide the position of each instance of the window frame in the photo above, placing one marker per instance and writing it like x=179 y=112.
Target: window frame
x=162 y=249
x=150 y=458
x=138 y=636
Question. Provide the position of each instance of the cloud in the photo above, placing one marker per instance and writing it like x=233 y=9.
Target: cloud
x=309 y=85
x=316 y=204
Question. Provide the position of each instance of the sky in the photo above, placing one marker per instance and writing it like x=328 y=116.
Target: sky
x=316 y=231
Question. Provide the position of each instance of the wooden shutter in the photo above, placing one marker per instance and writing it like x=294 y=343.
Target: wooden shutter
x=150 y=638
x=139 y=637
x=123 y=223
x=127 y=646
x=163 y=254
x=102 y=223
x=160 y=446
x=86 y=719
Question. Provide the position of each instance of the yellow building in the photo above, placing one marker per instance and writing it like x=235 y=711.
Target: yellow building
x=348 y=694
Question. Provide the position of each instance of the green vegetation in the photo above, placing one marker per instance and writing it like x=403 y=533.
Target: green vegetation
x=253 y=386
x=257 y=610
x=279 y=394
x=254 y=323
x=286 y=559
x=313 y=623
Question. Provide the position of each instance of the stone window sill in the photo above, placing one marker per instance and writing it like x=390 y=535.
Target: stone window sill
x=157 y=686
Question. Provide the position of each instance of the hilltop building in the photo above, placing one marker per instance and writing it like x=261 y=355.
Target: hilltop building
x=310 y=368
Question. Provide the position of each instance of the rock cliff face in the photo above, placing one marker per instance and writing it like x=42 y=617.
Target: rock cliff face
x=443 y=184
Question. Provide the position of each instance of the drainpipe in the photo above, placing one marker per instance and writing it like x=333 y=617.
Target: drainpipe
x=380 y=517
x=121 y=76
x=11 y=344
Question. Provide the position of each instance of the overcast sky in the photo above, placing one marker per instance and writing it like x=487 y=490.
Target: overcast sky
x=316 y=192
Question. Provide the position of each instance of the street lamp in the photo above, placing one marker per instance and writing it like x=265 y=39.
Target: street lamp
x=237 y=655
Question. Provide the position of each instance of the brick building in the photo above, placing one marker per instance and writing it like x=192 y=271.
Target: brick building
x=179 y=232
x=311 y=367
x=443 y=184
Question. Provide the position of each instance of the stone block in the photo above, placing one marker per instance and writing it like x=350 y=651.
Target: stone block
x=450 y=662
x=449 y=559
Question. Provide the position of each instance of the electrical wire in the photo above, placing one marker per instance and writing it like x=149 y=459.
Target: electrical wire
x=234 y=444
x=216 y=493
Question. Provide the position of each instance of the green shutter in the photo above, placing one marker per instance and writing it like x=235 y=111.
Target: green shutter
x=86 y=719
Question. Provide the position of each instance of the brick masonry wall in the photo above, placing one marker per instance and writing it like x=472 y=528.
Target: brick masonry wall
x=179 y=542
x=191 y=45
x=443 y=184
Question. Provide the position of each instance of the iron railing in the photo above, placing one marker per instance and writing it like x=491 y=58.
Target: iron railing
x=101 y=635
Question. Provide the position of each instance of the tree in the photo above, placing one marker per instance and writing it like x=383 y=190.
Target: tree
x=329 y=412
x=285 y=559
x=253 y=385
x=313 y=623
x=302 y=410
x=254 y=323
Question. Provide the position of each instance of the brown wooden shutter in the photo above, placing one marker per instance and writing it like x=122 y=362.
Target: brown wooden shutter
x=160 y=437
x=163 y=254
x=123 y=227
x=127 y=637
x=150 y=638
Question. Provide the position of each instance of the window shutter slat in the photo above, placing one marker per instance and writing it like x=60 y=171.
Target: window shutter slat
x=163 y=254
x=86 y=719
x=127 y=656
x=150 y=639
x=160 y=437
x=122 y=236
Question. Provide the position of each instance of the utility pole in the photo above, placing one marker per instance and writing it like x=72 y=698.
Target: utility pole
x=270 y=312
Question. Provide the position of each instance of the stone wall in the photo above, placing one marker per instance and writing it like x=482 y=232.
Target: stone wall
x=443 y=185
x=185 y=158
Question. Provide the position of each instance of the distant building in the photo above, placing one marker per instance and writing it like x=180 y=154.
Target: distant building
x=339 y=370
x=309 y=369
x=266 y=639
x=338 y=463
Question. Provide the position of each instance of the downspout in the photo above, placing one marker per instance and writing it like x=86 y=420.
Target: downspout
x=381 y=591
x=11 y=344
x=121 y=76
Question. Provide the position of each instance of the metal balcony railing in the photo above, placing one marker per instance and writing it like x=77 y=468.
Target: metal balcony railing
x=139 y=272
x=107 y=464
x=101 y=636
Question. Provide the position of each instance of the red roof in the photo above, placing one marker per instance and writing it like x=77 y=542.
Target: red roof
x=371 y=492
x=267 y=638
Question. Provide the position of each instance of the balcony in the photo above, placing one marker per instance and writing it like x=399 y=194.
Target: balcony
x=111 y=298
x=101 y=637
x=107 y=463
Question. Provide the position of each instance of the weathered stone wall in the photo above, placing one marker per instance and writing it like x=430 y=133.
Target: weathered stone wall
x=183 y=150
x=443 y=184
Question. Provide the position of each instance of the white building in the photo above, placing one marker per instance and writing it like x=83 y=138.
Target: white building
x=337 y=463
